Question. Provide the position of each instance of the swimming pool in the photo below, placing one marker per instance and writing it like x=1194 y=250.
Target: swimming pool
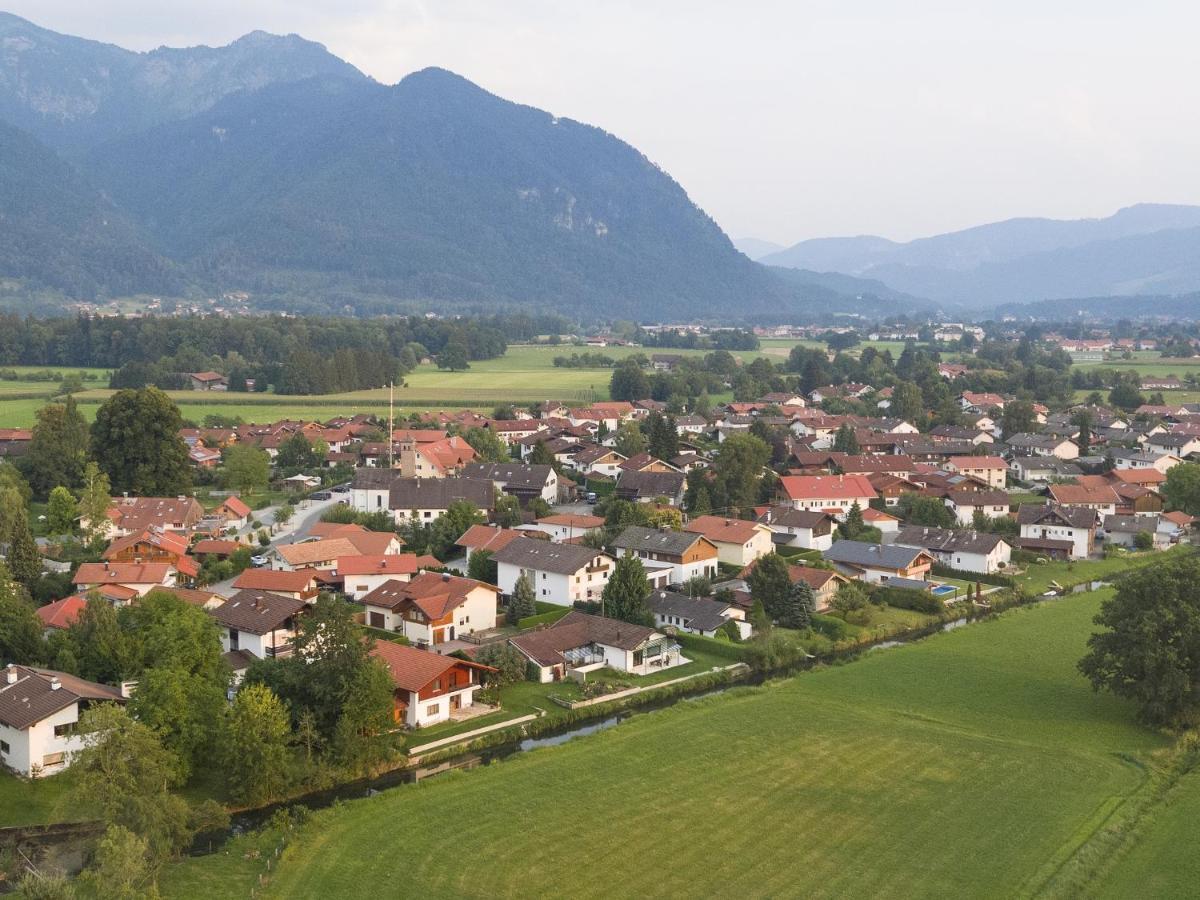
x=943 y=589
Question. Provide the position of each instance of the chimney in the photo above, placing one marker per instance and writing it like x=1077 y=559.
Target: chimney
x=10 y=674
x=55 y=684
x=445 y=576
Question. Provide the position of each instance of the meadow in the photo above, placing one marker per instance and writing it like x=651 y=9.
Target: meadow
x=975 y=763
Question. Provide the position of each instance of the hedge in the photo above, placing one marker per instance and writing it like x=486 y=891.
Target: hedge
x=546 y=618
x=830 y=626
x=905 y=598
x=963 y=575
x=724 y=649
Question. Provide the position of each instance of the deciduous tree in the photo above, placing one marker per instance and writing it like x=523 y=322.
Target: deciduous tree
x=255 y=755
x=135 y=440
x=62 y=511
x=770 y=583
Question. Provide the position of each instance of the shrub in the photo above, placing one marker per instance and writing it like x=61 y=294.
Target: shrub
x=904 y=598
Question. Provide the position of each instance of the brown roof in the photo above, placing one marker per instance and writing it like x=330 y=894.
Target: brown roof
x=433 y=593
x=572 y=520
x=122 y=573
x=34 y=695
x=168 y=542
x=412 y=669
x=383 y=564
x=488 y=537
x=191 y=595
x=577 y=629
x=269 y=580
x=545 y=556
x=1078 y=493
x=256 y=612
x=61 y=613
x=316 y=551
x=725 y=531
x=237 y=506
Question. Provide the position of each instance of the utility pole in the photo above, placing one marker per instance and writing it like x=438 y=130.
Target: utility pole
x=391 y=416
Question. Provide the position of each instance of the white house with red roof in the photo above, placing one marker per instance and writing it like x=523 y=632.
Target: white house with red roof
x=827 y=493
x=363 y=574
x=137 y=578
x=429 y=687
x=739 y=542
x=432 y=608
x=991 y=470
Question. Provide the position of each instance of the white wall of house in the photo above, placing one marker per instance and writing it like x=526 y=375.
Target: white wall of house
x=744 y=554
x=965 y=513
x=416 y=515
x=37 y=751
x=476 y=613
x=842 y=504
x=379 y=617
x=984 y=563
x=257 y=644
x=358 y=586
x=552 y=587
x=804 y=537
x=437 y=709
x=1079 y=537
x=370 y=499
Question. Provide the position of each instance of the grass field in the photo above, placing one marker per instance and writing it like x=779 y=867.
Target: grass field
x=973 y=764
x=1037 y=577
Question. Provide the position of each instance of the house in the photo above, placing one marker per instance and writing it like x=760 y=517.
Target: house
x=568 y=526
x=738 y=541
x=648 y=487
x=1123 y=530
x=980 y=403
x=488 y=537
x=598 y=460
x=1102 y=498
x=991 y=470
x=15 y=441
x=824 y=582
x=559 y=573
x=298 y=585
x=806 y=528
x=828 y=493
x=432 y=608
x=1041 y=469
x=885 y=522
x=39 y=717
x=428 y=687
x=153 y=545
x=879 y=562
x=964 y=504
x=208 y=381
x=1057 y=530
x=1142 y=459
x=128 y=515
x=138 y=579
x=967 y=551
x=579 y=643
x=258 y=622
x=665 y=362
x=680 y=554
x=321 y=555
x=363 y=574
x=427 y=499
x=441 y=458
x=234 y=513
x=1027 y=444
x=364 y=541
x=521 y=481
x=696 y=615
x=1173 y=443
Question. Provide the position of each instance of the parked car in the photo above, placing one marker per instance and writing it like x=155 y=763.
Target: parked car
x=258 y=561
x=342 y=488
x=321 y=495
x=591 y=498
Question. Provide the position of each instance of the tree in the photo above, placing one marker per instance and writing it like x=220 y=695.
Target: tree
x=24 y=558
x=521 y=605
x=854 y=524
x=487 y=445
x=101 y=649
x=454 y=357
x=136 y=442
x=629 y=440
x=181 y=708
x=1082 y=419
x=62 y=511
x=507 y=510
x=1143 y=540
x=507 y=659
x=628 y=382
x=770 y=583
x=94 y=502
x=453 y=524
x=737 y=469
x=1149 y=648
x=541 y=455
x=850 y=598
x=247 y=469
x=1126 y=390
x=918 y=509
x=1181 y=490
x=126 y=775
x=908 y=403
x=255 y=757
x=121 y=868
x=799 y=606
x=1017 y=418
x=366 y=716
x=625 y=595
x=845 y=441
x=760 y=620
x=20 y=628
x=297 y=453
x=482 y=567
x=58 y=449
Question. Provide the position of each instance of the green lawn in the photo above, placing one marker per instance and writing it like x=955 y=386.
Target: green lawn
x=1037 y=577
x=1163 y=861
x=970 y=764
x=35 y=801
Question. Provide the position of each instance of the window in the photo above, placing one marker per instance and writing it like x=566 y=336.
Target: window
x=53 y=759
x=433 y=709
x=4 y=748
x=361 y=587
x=437 y=684
x=64 y=730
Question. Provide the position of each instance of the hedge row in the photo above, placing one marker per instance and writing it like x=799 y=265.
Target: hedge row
x=963 y=575
x=724 y=649
x=904 y=598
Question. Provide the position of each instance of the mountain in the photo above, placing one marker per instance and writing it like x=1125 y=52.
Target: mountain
x=429 y=190
x=72 y=93
x=58 y=231
x=755 y=248
x=1148 y=248
x=850 y=295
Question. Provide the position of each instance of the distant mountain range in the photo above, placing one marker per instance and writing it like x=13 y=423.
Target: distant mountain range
x=272 y=166
x=756 y=248
x=1148 y=249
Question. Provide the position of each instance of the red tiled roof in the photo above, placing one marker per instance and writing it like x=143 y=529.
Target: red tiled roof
x=61 y=613
x=827 y=487
x=269 y=580
x=237 y=506
x=394 y=563
x=122 y=573
x=722 y=530
x=412 y=669
x=488 y=537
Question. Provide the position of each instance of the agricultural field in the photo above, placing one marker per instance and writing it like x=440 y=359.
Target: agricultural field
x=975 y=763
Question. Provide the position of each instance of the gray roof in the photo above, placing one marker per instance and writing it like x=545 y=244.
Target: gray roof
x=371 y=478
x=1131 y=524
x=787 y=517
x=700 y=613
x=511 y=475
x=860 y=553
x=439 y=493
x=576 y=629
x=636 y=537
x=649 y=484
x=979 y=498
x=546 y=556
x=945 y=540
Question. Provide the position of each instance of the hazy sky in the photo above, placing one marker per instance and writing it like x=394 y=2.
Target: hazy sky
x=788 y=120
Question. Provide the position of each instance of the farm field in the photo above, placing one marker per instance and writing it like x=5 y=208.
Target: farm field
x=1151 y=365
x=976 y=763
